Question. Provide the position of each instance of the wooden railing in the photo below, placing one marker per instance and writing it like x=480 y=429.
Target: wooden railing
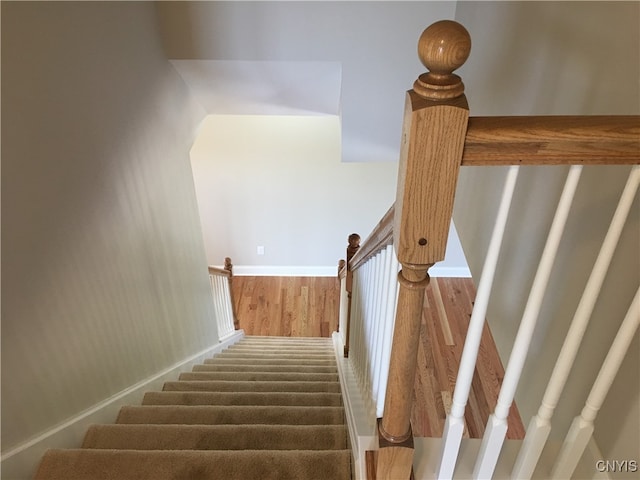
x=224 y=309
x=438 y=138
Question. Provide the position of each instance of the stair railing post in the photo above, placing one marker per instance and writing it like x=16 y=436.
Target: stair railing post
x=434 y=129
x=228 y=266
x=352 y=249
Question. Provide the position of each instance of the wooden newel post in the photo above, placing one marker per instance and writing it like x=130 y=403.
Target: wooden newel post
x=434 y=129
x=352 y=249
x=228 y=266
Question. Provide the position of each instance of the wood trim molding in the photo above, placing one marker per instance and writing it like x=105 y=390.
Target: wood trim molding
x=552 y=140
x=219 y=271
x=379 y=238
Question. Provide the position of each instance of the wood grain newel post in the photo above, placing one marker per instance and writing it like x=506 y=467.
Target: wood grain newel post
x=228 y=266
x=352 y=249
x=433 y=135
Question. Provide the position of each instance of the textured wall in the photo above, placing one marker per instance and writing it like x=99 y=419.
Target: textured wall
x=555 y=58
x=104 y=277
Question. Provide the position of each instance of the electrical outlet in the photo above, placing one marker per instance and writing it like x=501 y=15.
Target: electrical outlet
x=260 y=250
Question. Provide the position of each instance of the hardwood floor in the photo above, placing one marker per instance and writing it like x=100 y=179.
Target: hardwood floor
x=287 y=306
x=446 y=314
x=308 y=307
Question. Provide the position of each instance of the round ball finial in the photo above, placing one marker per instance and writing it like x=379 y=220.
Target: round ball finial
x=443 y=47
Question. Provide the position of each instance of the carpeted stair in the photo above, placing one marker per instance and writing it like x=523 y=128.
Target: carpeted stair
x=265 y=408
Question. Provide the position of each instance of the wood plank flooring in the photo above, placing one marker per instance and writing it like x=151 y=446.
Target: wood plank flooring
x=308 y=307
x=445 y=320
x=287 y=306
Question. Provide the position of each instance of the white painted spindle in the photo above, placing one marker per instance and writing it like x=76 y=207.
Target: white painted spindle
x=454 y=425
x=390 y=301
x=540 y=425
x=380 y=293
x=582 y=427
x=373 y=305
x=377 y=324
x=344 y=307
x=222 y=307
x=496 y=429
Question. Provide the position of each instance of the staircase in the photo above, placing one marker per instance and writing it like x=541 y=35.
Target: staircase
x=265 y=408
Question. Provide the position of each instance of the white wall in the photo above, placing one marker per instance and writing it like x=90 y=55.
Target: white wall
x=534 y=58
x=103 y=267
x=278 y=182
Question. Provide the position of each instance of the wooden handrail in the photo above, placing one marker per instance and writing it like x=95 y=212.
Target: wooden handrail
x=532 y=140
x=552 y=140
x=219 y=271
x=380 y=237
x=228 y=267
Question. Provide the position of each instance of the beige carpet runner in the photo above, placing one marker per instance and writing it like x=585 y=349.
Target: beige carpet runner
x=265 y=408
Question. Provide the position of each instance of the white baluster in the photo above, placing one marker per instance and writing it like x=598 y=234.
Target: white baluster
x=366 y=316
x=391 y=300
x=355 y=346
x=377 y=285
x=540 y=425
x=343 y=310
x=454 y=425
x=216 y=306
x=582 y=427
x=496 y=430
x=221 y=313
x=380 y=272
x=370 y=270
x=229 y=305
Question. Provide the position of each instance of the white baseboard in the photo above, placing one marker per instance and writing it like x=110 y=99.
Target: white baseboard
x=22 y=461
x=451 y=272
x=285 y=271
x=361 y=421
x=330 y=271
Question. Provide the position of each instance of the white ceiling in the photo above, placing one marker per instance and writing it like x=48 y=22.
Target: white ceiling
x=352 y=59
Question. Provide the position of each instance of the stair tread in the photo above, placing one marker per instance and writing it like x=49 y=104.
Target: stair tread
x=274 y=350
x=268 y=408
x=88 y=464
x=269 y=361
x=216 y=437
x=275 y=338
x=275 y=356
x=258 y=367
x=243 y=398
x=262 y=376
x=216 y=414
x=251 y=386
